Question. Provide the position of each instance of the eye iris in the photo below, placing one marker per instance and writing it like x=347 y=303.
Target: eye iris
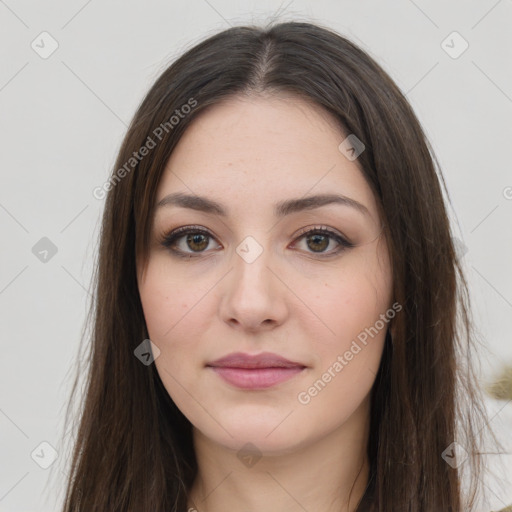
x=197 y=238
x=318 y=238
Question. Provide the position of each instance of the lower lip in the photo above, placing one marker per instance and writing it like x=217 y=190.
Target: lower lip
x=256 y=378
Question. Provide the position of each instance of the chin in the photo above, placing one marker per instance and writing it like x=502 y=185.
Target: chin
x=271 y=435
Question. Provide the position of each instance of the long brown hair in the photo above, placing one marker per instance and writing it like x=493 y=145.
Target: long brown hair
x=133 y=449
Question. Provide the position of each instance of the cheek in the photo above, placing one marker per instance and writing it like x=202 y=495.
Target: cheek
x=351 y=357
x=175 y=310
x=176 y=323
x=347 y=362
x=356 y=309
x=350 y=300
x=169 y=303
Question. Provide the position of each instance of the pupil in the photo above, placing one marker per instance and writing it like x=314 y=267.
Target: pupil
x=319 y=238
x=196 y=239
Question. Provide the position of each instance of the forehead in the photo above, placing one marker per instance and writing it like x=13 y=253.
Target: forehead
x=248 y=127
x=262 y=150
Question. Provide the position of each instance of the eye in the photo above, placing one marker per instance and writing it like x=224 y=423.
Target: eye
x=191 y=241
x=194 y=238
x=318 y=239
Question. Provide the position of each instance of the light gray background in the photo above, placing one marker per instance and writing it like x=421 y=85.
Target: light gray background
x=62 y=119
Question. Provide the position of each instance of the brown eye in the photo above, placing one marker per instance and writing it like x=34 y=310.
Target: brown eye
x=197 y=241
x=317 y=240
x=190 y=241
x=187 y=241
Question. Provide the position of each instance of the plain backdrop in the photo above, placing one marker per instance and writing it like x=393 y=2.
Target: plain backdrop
x=62 y=118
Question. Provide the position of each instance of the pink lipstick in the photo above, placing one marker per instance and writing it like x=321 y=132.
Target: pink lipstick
x=255 y=371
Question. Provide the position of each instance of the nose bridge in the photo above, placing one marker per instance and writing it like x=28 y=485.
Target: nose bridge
x=252 y=296
x=251 y=263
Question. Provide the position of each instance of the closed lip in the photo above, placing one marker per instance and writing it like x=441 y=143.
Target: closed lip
x=248 y=361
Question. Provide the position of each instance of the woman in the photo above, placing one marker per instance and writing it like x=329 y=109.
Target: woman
x=280 y=317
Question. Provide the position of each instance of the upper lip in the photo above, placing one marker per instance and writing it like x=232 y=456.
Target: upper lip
x=263 y=360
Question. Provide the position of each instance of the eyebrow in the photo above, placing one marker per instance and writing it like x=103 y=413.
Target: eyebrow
x=281 y=209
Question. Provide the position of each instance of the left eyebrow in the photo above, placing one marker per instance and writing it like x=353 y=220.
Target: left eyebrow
x=309 y=203
x=281 y=209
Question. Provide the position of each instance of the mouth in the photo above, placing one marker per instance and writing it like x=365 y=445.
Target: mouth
x=260 y=371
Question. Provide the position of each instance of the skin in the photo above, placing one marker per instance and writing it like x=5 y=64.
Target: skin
x=248 y=154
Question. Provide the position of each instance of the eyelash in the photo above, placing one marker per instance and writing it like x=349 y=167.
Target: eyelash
x=169 y=239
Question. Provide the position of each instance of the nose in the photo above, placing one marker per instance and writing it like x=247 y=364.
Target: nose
x=253 y=294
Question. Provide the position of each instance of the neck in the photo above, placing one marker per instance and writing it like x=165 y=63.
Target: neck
x=327 y=475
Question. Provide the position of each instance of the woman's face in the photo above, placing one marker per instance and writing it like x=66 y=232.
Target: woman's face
x=246 y=279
